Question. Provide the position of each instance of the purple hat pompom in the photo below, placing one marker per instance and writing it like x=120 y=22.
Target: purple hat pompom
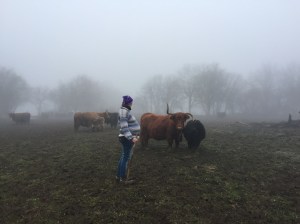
x=127 y=100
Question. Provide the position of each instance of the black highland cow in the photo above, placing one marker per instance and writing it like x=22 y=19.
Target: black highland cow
x=113 y=119
x=194 y=133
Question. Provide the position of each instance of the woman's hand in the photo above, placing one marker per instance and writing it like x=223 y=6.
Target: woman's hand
x=134 y=139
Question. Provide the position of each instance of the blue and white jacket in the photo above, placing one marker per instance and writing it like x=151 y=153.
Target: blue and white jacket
x=129 y=126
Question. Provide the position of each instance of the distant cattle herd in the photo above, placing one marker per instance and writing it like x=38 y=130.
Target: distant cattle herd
x=170 y=127
x=20 y=118
x=92 y=120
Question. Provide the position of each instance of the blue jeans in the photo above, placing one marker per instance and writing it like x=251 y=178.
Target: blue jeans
x=125 y=155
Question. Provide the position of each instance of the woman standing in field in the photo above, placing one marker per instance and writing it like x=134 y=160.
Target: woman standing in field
x=129 y=130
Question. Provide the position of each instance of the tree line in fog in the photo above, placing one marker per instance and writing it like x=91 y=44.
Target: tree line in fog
x=209 y=89
x=198 y=89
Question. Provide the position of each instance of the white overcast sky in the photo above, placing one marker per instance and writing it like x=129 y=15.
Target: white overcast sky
x=124 y=42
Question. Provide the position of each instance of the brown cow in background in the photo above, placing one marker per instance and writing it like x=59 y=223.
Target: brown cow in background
x=98 y=124
x=89 y=120
x=20 y=118
x=160 y=127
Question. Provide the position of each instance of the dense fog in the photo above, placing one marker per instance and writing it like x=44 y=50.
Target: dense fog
x=201 y=90
x=210 y=58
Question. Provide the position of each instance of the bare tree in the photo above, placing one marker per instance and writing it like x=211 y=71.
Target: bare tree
x=81 y=94
x=172 y=93
x=14 y=91
x=39 y=95
x=232 y=92
x=187 y=77
x=263 y=92
x=212 y=86
x=152 y=92
x=159 y=90
x=248 y=102
x=289 y=89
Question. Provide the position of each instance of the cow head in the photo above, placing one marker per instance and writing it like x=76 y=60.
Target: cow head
x=179 y=118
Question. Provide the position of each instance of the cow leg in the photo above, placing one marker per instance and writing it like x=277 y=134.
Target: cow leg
x=177 y=139
x=177 y=143
x=144 y=141
x=170 y=142
x=94 y=128
x=76 y=127
x=144 y=138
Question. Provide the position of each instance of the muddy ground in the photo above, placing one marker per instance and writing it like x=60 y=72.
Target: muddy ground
x=242 y=173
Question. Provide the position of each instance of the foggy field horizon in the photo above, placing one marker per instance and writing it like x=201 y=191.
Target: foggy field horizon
x=127 y=47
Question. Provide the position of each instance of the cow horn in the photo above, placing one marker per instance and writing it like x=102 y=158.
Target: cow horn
x=190 y=115
x=168 y=109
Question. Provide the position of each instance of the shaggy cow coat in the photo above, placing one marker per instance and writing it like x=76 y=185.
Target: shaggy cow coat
x=194 y=133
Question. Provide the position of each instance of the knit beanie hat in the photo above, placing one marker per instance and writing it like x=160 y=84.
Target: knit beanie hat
x=127 y=100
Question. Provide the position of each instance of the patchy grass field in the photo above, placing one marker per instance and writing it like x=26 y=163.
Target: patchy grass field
x=240 y=174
